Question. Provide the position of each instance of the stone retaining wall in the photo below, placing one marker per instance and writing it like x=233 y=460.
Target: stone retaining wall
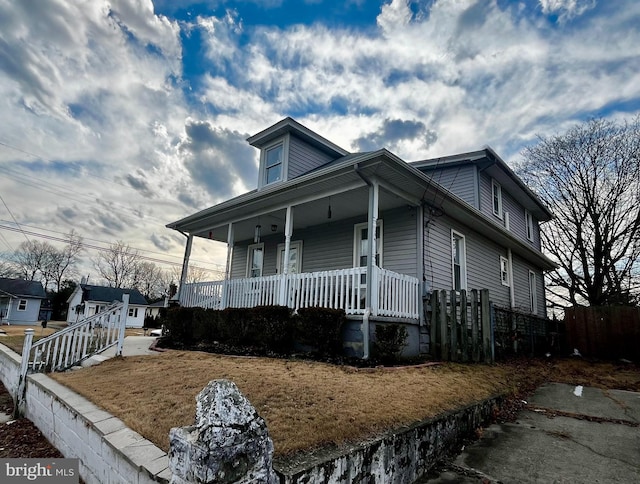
x=398 y=457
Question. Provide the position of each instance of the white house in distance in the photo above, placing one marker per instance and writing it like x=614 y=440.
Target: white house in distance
x=20 y=301
x=88 y=300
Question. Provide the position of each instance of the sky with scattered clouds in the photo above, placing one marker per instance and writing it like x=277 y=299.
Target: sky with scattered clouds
x=118 y=117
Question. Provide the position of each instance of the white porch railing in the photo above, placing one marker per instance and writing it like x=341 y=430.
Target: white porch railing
x=398 y=294
x=73 y=344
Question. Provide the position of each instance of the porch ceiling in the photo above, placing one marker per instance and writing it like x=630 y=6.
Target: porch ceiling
x=342 y=188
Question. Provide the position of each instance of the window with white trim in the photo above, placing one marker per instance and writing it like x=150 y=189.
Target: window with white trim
x=496 y=196
x=504 y=271
x=361 y=246
x=533 y=292
x=273 y=164
x=255 y=260
x=528 y=220
x=295 y=258
x=22 y=305
x=458 y=261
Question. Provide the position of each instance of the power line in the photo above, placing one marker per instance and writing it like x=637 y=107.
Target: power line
x=63 y=192
x=218 y=266
x=14 y=219
x=105 y=249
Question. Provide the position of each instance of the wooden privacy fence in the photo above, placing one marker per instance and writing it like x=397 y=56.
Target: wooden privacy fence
x=604 y=332
x=461 y=326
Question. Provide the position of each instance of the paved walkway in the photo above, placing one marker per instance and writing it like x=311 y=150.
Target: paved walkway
x=133 y=345
x=567 y=434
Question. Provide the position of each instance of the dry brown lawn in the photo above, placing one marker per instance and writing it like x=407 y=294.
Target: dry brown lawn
x=308 y=405
x=14 y=337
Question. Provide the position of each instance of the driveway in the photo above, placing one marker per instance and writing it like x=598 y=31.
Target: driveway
x=567 y=434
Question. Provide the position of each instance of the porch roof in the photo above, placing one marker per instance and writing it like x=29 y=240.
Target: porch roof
x=405 y=184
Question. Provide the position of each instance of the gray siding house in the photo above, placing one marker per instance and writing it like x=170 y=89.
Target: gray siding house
x=21 y=301
x=370 y=233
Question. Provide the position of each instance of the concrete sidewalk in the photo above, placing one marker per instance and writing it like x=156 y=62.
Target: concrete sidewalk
x=567 y=434
x=133 y=346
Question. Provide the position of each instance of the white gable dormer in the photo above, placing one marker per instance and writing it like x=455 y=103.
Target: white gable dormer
x=289 y=149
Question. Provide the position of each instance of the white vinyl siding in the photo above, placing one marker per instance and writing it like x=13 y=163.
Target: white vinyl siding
x=303 y=158
x=461 y=180
x=330 y=246
x=482 y=259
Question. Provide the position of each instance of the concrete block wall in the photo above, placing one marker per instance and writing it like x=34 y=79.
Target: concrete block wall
x=9 y=369
x=108 y=450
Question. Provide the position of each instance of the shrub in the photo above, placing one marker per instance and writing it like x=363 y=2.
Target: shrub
x=273 y=325
x=320 y=328
x=390 y=341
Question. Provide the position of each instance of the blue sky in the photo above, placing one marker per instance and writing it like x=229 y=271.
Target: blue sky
x=120 y=116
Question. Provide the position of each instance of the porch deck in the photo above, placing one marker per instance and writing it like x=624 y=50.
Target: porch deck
x=394 y=295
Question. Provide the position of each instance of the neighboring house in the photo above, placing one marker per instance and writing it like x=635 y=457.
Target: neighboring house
x=87 y=300
x=153 y=309
x=371 y=233
x=21 y=302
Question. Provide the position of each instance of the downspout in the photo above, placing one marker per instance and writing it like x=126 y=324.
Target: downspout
x=367 y=311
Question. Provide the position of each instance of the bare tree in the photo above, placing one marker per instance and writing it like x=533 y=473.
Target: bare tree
x=590 y=178
x=118 y=264
x=61 y=263
x=31 y=258
x=150 y=280
x=7 y=270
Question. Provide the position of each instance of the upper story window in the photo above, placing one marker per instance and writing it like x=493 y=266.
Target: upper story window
x=273 y=164
x=458 y=261
x=496 y=196
x=528 y=219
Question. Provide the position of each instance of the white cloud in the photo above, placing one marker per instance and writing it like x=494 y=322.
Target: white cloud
x=95 y=89
x=566 y=9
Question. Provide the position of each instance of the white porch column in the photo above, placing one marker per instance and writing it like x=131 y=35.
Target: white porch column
x=372 y=276
x=185 y=264
x=288 y=231
x=227 y=271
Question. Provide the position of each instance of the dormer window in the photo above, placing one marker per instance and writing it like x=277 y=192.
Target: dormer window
x=273 y=164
